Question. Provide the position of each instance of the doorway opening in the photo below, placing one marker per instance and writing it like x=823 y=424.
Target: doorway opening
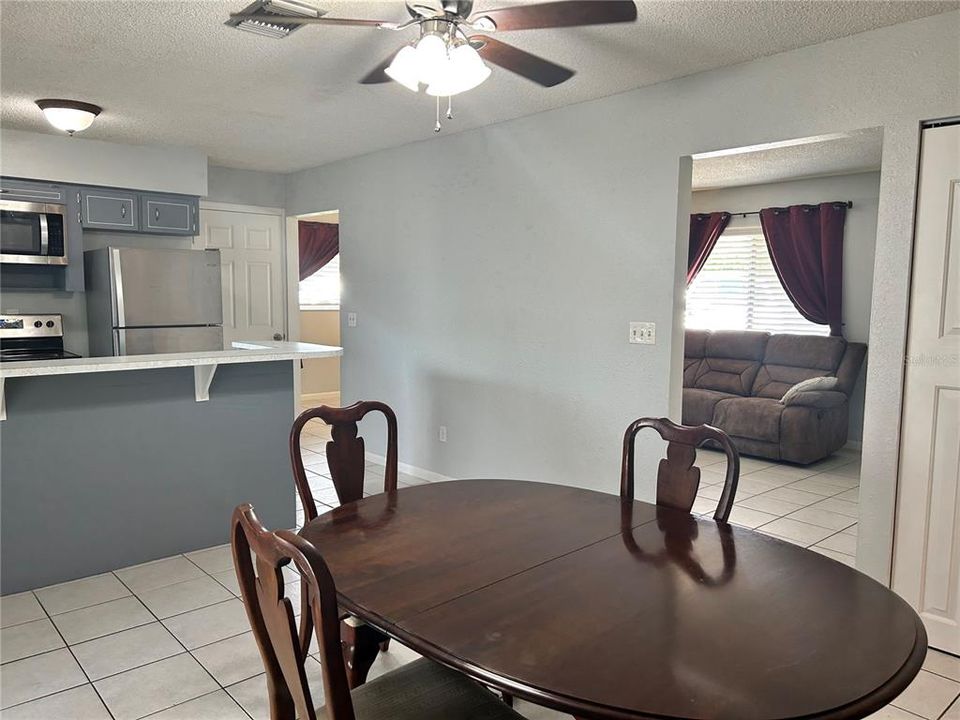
x=318 y=298
x=779 y=283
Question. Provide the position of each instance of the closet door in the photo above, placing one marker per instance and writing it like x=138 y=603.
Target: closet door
x=926 y=568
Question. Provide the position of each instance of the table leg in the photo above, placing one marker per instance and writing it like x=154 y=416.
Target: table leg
x=361 y=645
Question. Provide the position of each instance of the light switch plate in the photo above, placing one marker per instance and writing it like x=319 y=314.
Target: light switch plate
x=351 y=319
x=643 y=333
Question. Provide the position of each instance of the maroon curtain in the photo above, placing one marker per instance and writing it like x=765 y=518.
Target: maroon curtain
x=705 y=229
x=806 y=247
x=319 y=244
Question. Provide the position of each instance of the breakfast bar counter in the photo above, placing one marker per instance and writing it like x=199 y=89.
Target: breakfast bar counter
x=113 y=461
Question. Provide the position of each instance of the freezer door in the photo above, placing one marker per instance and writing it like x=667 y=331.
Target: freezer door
x=147 y=341
x=154 y=288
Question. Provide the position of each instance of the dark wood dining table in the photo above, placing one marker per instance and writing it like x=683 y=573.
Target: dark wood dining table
x=608 y=608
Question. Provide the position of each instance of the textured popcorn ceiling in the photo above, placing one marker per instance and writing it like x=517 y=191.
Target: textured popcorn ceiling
x=858 y=151
x=172 y=73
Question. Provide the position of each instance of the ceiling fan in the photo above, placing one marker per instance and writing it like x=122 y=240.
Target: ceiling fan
x=447 y=57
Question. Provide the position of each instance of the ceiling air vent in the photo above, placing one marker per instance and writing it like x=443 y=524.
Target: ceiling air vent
x=262 y=25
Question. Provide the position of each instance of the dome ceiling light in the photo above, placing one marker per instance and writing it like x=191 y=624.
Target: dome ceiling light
x=71 y=116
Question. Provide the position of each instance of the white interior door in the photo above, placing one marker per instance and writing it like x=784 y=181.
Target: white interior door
x=253 y=271
x=926 y=568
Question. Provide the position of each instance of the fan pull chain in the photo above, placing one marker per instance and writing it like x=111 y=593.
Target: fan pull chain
x=436 y=128
x=449 y=108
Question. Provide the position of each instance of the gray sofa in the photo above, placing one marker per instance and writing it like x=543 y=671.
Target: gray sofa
x=735 y=380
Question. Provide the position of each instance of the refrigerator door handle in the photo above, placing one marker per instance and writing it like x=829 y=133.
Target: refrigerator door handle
x=120 y=319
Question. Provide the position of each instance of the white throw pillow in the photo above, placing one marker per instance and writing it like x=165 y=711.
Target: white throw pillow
x=817 y=383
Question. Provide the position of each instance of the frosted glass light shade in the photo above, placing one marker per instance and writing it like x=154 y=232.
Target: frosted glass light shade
x=68 y=115
x=405 y=69
x=431 y=55
x=463 y=71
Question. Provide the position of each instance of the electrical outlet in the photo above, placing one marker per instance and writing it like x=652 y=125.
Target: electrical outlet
x=351 y=319
x=643 y=333
x=443 y=433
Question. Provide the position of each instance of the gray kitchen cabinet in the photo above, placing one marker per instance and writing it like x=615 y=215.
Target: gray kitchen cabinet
x=108 y=209
x=31 y=191
x=168 y=214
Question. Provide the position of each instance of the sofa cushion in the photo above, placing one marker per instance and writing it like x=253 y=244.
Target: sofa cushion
x=790 y=359
x=809 y=351
x=694 y=345
x=752 y=417
x=698 y=405
x=731 y=362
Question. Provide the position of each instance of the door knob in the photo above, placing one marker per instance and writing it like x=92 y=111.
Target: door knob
x=278 y=336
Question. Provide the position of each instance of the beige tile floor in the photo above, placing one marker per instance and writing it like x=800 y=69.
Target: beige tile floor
x=169 y=640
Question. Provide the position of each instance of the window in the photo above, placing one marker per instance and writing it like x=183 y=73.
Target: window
x=321 y=291
x=738 y=289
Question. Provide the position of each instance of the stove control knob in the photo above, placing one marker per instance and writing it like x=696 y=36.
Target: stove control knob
x=38 y=324
x=50 y=323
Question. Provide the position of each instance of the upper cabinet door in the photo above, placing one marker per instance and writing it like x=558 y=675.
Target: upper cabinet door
x=108 y=209
x=168 y=214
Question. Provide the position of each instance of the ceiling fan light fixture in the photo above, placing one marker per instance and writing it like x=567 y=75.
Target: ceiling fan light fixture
x=405 y=68
x=71 y=116
x=463 y=70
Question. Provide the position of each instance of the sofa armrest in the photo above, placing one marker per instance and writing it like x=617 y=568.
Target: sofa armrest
x=818 y=399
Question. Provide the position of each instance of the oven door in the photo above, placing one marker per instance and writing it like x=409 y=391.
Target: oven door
x=32 y=233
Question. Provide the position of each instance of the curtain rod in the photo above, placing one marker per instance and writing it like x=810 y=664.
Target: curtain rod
x=848 y=203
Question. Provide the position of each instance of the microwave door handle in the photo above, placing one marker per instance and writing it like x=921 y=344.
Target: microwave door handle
x=44 y=235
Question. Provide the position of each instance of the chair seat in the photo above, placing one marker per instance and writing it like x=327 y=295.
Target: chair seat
x=425 y=690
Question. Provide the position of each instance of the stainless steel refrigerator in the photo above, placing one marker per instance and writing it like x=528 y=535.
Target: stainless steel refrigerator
x=142 y=301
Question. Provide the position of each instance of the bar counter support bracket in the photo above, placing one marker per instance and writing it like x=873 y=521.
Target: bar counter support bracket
x=3 y=399
x=202 y=378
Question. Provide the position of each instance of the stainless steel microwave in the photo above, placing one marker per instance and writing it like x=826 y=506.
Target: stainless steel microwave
x=33 y=233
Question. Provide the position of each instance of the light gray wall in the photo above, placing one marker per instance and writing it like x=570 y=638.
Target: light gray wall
x=245 y=187
x=60 y=158
x=494 y=272
x=859 y=243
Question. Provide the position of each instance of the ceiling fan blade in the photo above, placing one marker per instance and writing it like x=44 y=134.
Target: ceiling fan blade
x=378 y=74
x=560 y=14
x=532 y=67
x=303 y=20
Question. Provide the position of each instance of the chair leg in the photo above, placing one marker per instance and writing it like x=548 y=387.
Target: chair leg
x=385 y=645
x=361 y=645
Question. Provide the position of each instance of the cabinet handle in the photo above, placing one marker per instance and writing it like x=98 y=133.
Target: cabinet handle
x=78 y=217
x=157 y=213
x=123 y=211
x=78 y=198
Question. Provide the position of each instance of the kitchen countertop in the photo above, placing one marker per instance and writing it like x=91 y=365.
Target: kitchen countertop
x=241 y=352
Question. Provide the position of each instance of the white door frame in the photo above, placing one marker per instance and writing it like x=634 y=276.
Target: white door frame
x=292 y=232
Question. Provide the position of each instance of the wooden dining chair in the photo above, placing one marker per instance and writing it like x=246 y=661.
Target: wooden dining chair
x=678 y=479
x=346 y=453
x=421 y=690
x=346 y=459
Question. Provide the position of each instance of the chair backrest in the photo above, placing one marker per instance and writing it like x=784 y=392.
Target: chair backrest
x=678 y=479
x=259 y=556
x=346 y=456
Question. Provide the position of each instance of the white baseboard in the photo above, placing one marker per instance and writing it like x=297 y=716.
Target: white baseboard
x=417 y=472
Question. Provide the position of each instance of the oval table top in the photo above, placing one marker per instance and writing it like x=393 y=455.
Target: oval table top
x=606 y=608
